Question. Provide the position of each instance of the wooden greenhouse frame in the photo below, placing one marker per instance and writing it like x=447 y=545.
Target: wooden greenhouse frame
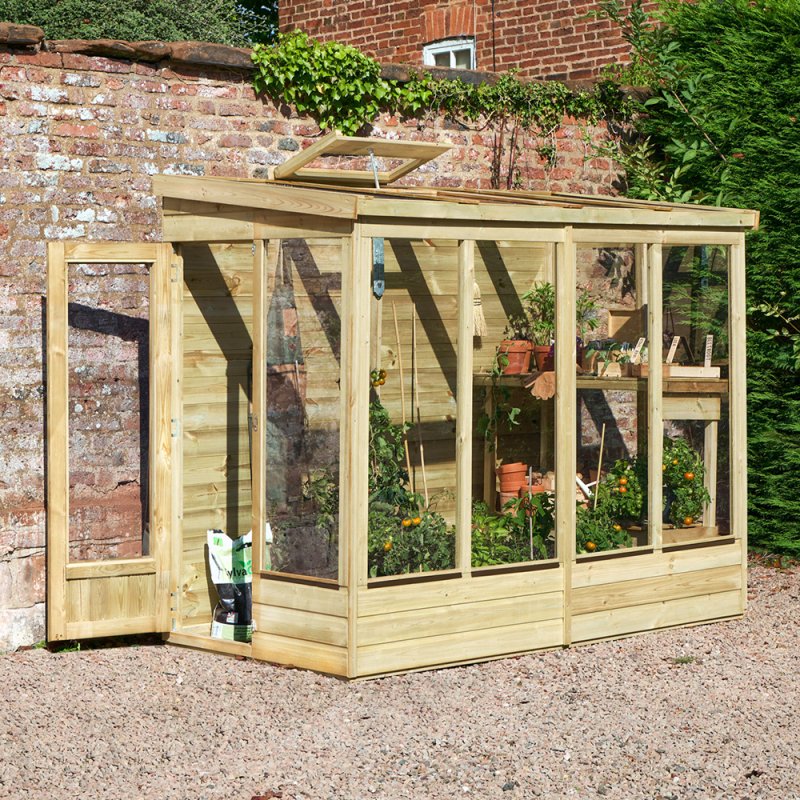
x=351 y=625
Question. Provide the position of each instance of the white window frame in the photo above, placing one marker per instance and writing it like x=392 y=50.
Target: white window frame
x=458 y=43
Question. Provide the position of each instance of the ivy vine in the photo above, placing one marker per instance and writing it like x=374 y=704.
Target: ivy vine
x=343 y=89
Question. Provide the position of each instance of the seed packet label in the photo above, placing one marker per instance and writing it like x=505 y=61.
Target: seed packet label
x=676 y=340
x=709 y=350
x=637 y=351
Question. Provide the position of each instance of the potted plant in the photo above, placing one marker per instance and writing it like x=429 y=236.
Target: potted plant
x=540 y=309
x=685 y=494
x=596 y=530
x=514 y=353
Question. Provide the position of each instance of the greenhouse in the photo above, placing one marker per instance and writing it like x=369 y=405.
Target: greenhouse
x=458 y=424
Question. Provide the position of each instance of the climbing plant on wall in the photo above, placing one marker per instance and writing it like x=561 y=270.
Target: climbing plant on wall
x=343 y=89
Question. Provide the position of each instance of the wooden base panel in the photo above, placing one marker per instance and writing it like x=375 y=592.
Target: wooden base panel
x=467 y=646
x=199 y=638
x=654 y=616
x=297 y=653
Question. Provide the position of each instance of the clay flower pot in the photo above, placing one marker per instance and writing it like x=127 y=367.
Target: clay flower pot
x=512 y=477
x=518 y=352
x=543 y=355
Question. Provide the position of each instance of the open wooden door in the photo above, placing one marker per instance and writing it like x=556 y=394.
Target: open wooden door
x=90 y=596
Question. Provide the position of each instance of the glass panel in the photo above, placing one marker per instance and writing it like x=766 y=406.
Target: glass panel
x=413 y=409
x=611 y=484
x=442 y=59
x=696 y=416
x=108 y=410
x=303 y=412
x=463 y=58
x=514 y=449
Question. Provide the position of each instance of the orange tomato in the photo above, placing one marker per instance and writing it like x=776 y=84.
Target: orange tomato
x=687 y=520
x=674 y=460
x=623 y=480
x=387 y=545
x=406 y=523
x=689 y=476
x=617 y=527
x=623 y=489
x=416 y=520
x=591 y=547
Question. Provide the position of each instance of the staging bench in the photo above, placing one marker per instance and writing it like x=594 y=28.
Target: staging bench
x=683 y=399
x=214 y=280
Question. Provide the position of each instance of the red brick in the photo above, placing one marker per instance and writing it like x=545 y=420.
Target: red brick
x=66 y=129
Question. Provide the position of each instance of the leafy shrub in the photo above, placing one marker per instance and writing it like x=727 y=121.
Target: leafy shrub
x=596 y=530
x=222 y=21
x=404 y=536
x=523 y=531
x=685 y=495
x=622 y=493
x=397 y=549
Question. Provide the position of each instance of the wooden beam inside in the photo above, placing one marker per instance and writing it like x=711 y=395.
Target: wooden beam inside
x=464 y=431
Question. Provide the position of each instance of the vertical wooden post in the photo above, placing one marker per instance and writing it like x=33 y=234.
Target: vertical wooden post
x=710 y=456
x=655 y=419
x=566 y=456
x=57 y=440
x=259 y=414
x=737 y=378
x=354 y=455
x=176 y=432
x=466 y=311
x=161 y=429
x=640 y=267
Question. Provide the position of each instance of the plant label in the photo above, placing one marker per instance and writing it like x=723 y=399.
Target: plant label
x=709 y=350
x=676 y=340
x=637 y=351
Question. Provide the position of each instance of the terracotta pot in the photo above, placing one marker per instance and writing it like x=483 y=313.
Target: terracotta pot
x=512 y=476
x=543 y=355
x=518 y=352
x=506 y=496
x=535 y=489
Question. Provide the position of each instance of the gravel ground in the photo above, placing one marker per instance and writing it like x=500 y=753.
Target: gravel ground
x=705 y=712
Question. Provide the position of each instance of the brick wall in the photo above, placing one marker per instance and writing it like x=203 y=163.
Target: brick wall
x=541 y=38
x=81 y=137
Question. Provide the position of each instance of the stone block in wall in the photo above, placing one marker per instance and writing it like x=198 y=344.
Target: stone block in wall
x=21 y=627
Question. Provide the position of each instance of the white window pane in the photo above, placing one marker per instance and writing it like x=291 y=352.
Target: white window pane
x=463 y=59
x=442 y=59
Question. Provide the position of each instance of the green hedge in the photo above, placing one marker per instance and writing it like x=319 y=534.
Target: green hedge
x=223 y=21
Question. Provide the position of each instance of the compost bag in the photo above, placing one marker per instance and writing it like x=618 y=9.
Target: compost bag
x=231 y=565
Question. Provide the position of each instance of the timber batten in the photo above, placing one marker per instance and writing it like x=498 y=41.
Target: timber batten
x=266 y=324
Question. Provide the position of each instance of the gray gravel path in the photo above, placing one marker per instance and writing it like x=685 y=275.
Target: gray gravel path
x=705 y=712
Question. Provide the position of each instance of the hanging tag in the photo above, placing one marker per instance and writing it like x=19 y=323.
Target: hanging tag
x=378 y=274
x=676 y=340
x=709 y=350
x=637 y=351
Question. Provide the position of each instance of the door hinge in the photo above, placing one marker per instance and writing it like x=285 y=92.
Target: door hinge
x=174 y=272
x=176 y=428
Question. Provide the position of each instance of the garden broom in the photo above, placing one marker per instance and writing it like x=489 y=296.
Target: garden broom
x=478 y=318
